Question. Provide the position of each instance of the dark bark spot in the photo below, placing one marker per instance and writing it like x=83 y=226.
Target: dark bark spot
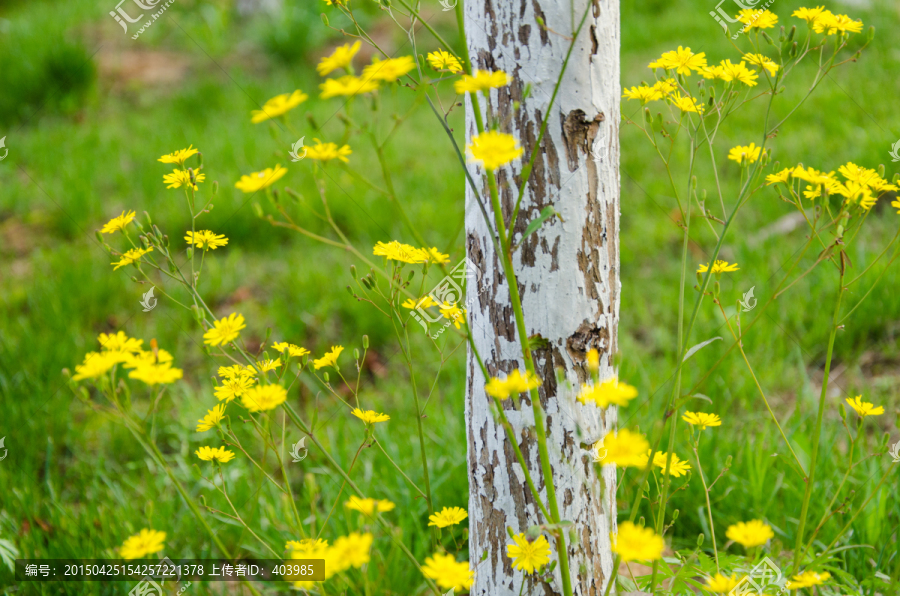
x=578 y=132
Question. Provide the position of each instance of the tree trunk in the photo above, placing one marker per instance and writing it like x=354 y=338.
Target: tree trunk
x=568 y=274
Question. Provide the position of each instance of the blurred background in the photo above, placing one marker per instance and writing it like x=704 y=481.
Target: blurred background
x=86 y=111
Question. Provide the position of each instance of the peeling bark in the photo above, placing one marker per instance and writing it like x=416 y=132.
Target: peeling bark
x=568 y=273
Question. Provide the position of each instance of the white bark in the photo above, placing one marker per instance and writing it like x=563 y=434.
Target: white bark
x=568 y=275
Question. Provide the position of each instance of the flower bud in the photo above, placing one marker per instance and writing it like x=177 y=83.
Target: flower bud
x=356 y=353
x=324 y=19
x=353 y=271
x=325 y=376
x=365 y=341
x=871 y=34
x=700 y=538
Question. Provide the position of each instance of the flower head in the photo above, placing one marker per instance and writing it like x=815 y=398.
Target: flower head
x=370 y=416
x=745 y=155
x=635 y=543
x=607 y=392
x=132 y=256
x=119 y=342
x=329 y=359
x=621 y=449
x=205 y=239
x=528 y=555
x=720 y=584
x=677 y=468
x=807 y=579
x=453 y=313
x=831 y=24
x=232 y=388
x=719 y=267
x=864 y=408
x=494 y=149
x=224 y=330
x=682 y=61
x=388 y=70
x=757 y=19
x=95 y=365
x=294 y=351
x=762 y=61
x=447 y=572
x=268 y=364
x=482 y=80
x=328 y=151
x=749 y=534
x=808 y=14
x=685 y=103
x=156 y=373
x=448 y=516
x=278 y=105
x=341 y=57
x=782 y=176
x=263 y=398
x=643 y=93
x=146 y=542
x=212 y=418
x=702 y=419
x=352 y=550
x=737 y=72
x=236 y=371
x=259 y=180
x=369 y=506
x=347 y=85
x=117 y=223
x=179 y=178
x=514 y=384
x=404 y=253
x=424 y=302
x=219 y=454
x=180 y=156
x=444 y=60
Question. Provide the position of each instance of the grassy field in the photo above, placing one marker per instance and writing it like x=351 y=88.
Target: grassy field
x=87 y=111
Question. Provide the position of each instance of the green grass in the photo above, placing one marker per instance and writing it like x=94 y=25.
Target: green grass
x=82 y=149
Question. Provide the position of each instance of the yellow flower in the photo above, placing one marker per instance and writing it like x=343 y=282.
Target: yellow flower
x=224 y=330
x=864 y=408
x=143 y=358
x=341 y=57
x=232 y=388
x=443 y=60
x=310 y=548
x=482 y=80
x=95 y=365
x=369 y=506
x=593 y=360
x=677 y=468
x=685 y=103
x=751 y=533
x=808 y=14
x=447 y=572
x=622 y=449
x=635 y=543
x=278 y=105
x=294 y=351
x=370 y=416
x=607 y=392
x=146 y=542
x=682 y=60
x=179 y=178
x=746 y=154
x=782 y=176
x=719 y=267
x=155 y=374
x=425 y=302
x=119 y=342
x=262 y=398
x=643 y=93
x=528 y=555
x=807 y=579
x=757 y=19
x=267 y=365
x=259 y=180
x=436 y=256
x=131 y=256
x=206 y=239
x=180 y=156
x=763 y=61
x=453 y=313
x=702 y=419
x=719 y=584
x=212 y=418
x=514 y=383
x=347 y=85
x=353 y=550
x=388 y=70
x=494 y=149
x=328 y=151
x=329 y=359
x=219 y=454
x=448 y=516
x=117 y=223
x=711 y=72
x=665 y=86
x=236 y=371
x=832 y=24
x=737 y=72
x=396 y=251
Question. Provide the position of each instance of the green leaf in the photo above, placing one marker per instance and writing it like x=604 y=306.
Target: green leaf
x=699 y=347
x=546 y=214
x=8 y=554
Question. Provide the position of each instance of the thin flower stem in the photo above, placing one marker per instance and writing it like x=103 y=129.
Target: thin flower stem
x=712 y=528
x=224 y=492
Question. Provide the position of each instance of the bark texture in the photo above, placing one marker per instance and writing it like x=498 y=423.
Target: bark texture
x=568 y=274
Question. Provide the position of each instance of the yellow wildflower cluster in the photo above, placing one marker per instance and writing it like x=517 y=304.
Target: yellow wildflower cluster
x=404 y=253
x=152 y=367
x=351 y=551
x=861 y=186
x=514 y=384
